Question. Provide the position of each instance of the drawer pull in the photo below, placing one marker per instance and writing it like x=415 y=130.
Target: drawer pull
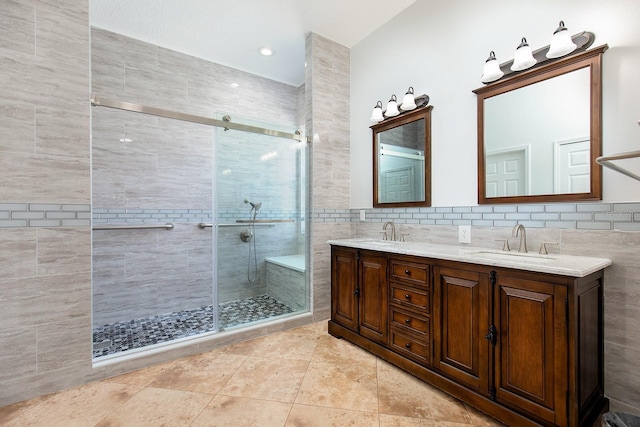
x=407 y=321
x=407 y=272
x=408 y=345
x=407 y=296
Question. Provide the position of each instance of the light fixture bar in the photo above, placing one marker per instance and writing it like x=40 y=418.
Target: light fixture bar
x=583 y=41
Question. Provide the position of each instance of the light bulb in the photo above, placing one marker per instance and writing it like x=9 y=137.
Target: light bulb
x=492 y=71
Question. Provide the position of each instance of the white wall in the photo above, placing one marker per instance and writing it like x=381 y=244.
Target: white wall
x=439 y=48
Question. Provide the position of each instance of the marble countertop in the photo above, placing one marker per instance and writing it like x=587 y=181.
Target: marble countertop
x=565 y=265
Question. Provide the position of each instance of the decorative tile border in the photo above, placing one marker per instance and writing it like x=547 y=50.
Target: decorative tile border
x=126 y=216
x=149 y=216
x=14 y=215
x=44 y=215
x=579 y=216
x=335 y=215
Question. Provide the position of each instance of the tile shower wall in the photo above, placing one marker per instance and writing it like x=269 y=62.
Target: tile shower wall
x=45 y=238
x=150 y=169
x=327 y=80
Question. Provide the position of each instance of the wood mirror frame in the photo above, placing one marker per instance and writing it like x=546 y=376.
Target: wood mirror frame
x=592 y=60
x=421 y=113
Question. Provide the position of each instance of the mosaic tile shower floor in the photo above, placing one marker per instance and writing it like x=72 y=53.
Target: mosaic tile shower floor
x=122 y=336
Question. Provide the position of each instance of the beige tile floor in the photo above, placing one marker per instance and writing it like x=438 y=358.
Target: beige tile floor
x=301 y=377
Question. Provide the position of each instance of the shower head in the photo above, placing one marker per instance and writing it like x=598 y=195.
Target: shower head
x=255 y=206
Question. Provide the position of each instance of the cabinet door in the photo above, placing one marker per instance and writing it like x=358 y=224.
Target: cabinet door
x=531 y=358
x=373 y=297
x=460 y=318
x=344 y=276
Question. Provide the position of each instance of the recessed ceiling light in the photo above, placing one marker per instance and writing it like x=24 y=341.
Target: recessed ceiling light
x=126 y=140
x=234 y=85
x=266 y=51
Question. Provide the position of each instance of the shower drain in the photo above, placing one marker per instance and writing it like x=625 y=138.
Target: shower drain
x=102 y=345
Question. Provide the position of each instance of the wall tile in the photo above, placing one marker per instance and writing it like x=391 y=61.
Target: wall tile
x=45 y=179
x=17 y=27
x=64 y=250
x=62 y=132
x=62 y=38
x=18 y=252
x=18 y=355
x=17 y=126
x=64 y=344
x=622 y=378
x=44 y=82
x=70 y=9
x=37 y=300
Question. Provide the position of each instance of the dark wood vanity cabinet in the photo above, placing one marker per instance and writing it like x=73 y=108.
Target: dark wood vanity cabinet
x=359 y=292
x=524 y=347
x=531 y=370
x=461 y=321
x=410 y=308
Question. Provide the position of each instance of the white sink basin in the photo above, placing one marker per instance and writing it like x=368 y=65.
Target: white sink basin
x=511 y=256
x=381 y=242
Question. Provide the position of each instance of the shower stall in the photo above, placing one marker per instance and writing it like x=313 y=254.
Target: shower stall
x=198 y=225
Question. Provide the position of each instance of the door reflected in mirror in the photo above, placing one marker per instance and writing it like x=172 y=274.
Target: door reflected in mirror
x=541 y=129
x=539 y=133
x=402 y=160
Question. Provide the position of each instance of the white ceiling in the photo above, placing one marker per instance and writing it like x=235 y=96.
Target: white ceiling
x=230 y=32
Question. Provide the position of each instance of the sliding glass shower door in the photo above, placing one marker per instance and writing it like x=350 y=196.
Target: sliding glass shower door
x=260 y=201
x=152 y=264
x=165 y=267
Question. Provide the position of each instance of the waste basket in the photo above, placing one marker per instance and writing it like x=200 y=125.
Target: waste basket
x=620 y=419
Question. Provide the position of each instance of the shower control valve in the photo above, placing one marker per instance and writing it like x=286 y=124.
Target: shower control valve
x=246 y=235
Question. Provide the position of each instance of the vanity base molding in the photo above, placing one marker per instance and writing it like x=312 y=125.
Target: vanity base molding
x=479 y=402
x=523 y=347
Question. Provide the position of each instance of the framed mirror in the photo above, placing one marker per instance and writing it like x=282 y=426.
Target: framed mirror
x=402 y=160
x=540 y=132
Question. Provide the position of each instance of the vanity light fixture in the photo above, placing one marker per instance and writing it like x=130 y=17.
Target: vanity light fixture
x=492 y=71
x=409 y=100
x=561 y=43
x=392 y=107
x=376 y=115
x=523 y=58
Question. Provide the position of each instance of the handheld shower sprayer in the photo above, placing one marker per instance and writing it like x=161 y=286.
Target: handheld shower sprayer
x=248 y=235
x=253 y=205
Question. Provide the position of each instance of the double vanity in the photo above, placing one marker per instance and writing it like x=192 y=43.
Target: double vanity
x=517 y=335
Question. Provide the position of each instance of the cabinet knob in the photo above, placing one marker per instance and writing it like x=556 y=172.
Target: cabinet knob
x=407 y=321
x=408 y=345
x=407 y=296
x=407 y=272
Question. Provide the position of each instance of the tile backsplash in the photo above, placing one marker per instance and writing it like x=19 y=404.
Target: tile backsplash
x=577 y=216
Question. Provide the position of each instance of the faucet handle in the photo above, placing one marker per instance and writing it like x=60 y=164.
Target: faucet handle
x=402 y=236
x=505 y=244
x=543 y=247
x=384 y=235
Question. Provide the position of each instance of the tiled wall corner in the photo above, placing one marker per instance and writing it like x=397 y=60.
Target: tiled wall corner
x=327 y=82
x=45 y=244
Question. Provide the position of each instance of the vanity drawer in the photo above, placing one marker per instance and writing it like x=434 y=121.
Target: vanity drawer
x=412 y=322
x=411 y=347
x=408 y=296
x=412 y=272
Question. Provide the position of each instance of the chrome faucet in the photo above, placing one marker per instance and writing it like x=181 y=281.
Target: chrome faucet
x=523 y=237
x=393 y=230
